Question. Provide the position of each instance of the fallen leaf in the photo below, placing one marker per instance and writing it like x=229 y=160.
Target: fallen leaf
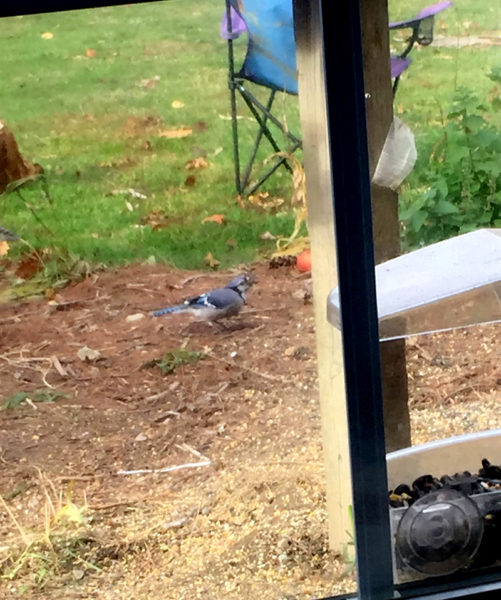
x=176 y=133
x=29 y=265
x=47 y=35
x=231 y=243
x=210 y=261
x=199 y=126
x=87 y=354
x=267 y=235
x=197 y=163
x=219 y=219
x=146 y=145
x=90 y=53
x=264 y=201
x=4 y=248
x=124 y=162
x=150 y=82
x=190 y=181
x=157 y=219
x=177 y=104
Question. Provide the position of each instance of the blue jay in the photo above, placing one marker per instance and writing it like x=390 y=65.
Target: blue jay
x=216 y=304
x=7 y=236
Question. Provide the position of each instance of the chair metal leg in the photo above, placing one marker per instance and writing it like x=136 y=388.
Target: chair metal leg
x=234 y=125
x=272 y=169
x=270 y=116
x=233 y=99
x=259 y=137
x=261 y=119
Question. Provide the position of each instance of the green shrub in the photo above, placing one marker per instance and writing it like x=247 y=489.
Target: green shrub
x=458 y=187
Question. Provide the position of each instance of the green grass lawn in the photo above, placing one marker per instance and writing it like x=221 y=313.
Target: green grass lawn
x=96 y=129
x=79 y=104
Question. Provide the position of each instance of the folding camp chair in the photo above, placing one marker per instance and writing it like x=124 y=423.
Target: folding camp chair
x=422 y=34
x=270 y=62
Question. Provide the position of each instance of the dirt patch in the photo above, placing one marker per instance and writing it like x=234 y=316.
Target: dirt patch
x=253 y=520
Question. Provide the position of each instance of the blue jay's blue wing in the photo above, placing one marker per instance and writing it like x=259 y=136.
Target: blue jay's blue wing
x=237 y=282
x=214 y=305
x=221 y=298
x=197 y=300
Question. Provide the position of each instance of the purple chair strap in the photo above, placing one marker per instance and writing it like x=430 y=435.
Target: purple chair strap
x=238 y=26
x=398 y=65
x=429 y=11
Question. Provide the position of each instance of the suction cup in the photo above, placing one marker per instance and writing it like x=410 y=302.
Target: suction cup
x=439 y=533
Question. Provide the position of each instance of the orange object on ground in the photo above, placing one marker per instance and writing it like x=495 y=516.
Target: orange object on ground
x=303 y=261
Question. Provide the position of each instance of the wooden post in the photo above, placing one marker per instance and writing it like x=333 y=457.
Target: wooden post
x=324 y=269
x=379 y=105
x=321 y=227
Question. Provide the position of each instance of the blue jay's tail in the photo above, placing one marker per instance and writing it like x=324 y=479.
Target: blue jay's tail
x=6 y=235
x=171 y=309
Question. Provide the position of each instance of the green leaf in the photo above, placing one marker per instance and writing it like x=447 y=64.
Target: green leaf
x=181 y=356
x=444 y=207
x=418 y=220
x=473 y=123
x=495 y=74
x=44 y=395
x=15 y=400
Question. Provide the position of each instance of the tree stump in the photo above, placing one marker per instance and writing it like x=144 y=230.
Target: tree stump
x=13 y=166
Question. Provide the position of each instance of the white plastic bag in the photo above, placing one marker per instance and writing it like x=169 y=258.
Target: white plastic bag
x=398 y=156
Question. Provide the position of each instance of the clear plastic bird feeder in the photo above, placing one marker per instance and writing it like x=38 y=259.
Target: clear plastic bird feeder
x=451 y=284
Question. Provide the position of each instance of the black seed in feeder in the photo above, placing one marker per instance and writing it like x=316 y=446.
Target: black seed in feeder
x=489 y=471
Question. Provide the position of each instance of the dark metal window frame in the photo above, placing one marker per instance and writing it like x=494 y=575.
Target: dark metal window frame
x=346 y=124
